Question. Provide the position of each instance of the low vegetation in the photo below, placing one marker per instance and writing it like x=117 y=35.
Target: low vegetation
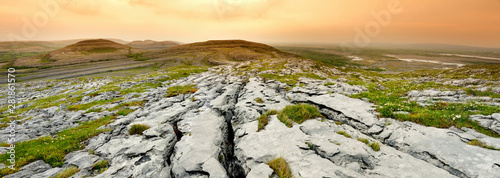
x=298 y=113
x=290 y=79
x=264 y=119
x=52 y=150
x=481 y=144
x=280 y=167
x=374 y=145
x=91 y=104
x=177 y=90
x=137 y=129
x=68 y=172
x=436 y=114
x=345 y=134
x=100 y=167
x=259 y=100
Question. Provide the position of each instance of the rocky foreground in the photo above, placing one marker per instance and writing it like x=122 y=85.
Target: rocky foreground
x=213 y=133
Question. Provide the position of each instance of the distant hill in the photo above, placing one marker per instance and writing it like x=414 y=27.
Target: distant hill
x=152 y=45
x=80 y=52
x=216 y=52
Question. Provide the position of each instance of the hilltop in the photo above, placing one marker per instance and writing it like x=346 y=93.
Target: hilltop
x=80 y=52
x=152 y=45
x=215 y=52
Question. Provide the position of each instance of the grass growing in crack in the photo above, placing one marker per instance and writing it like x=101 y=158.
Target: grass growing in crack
x=482 y=93
x=94 y=110
x=127 y=104
x=91 y=104
x=298 y=113
x=177 y=90
x=53 y=149
x=310 y=145
x=68 y=172
x=440 y=115
x=481 y=144
x=344 y=134
x=100 y=167
x=124 y=112
x=259 y=100
x=141 y=88
x=182 y=71
x=374 y=145
x=280 y=167
x=264 y=119
x=290 y=79
x=137 y=129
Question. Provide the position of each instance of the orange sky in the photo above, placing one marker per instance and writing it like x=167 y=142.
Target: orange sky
x=465 y=22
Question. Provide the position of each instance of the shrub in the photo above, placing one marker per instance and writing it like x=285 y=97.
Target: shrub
x=298 y=113
x=68 y=172
x=280 y=167
x=177 y=90
x=264 y=119
x=138 y=129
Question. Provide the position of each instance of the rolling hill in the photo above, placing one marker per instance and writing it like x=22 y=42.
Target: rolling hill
x=80 y=52
x=152 y=45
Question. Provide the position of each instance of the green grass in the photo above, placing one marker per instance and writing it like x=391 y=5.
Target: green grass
x=68 y=172
x=137 y=129
x=482 y=145
x=127 y=104
x=264 y=119
x=328 y=84
x=324 y=58
x=345 y=134
x=100 y=167
x=290 y=79
x=374 y=145
x=94 y=110
x=280 y=167
x=182 y=71
x=482 y=93
x=440 y=115
x=177 y=90
x=298 y=113
x=91 y=104
x=52 y=150
x=141 y=88
x=259 y=100
x=124 y=112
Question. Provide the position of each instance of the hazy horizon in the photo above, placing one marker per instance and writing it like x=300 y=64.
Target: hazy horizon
x=458 y=22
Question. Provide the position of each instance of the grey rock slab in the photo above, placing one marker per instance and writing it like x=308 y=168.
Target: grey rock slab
x=82 y=160
x=259 y=171
x=356 y=109
x=200 y=145
x=256 y=148
x=30 y=169
x=447 y=151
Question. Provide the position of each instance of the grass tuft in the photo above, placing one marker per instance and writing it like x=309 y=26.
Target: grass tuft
x=100 y=166
x=344 y=134
x=259 y=100
x=264 y=119
x=138 y=129
x=68 y=172
x=280 y=167
x=177 y=90
x=298 y=113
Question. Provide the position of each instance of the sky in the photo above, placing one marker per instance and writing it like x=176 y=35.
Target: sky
x=357 y=22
